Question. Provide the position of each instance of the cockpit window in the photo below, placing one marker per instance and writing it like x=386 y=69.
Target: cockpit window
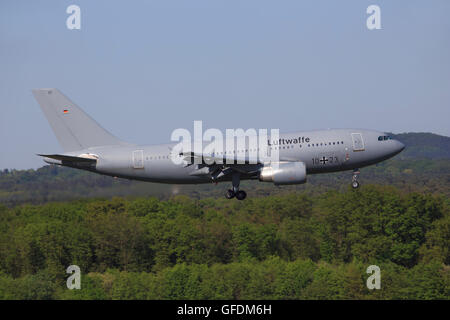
x=381 y=138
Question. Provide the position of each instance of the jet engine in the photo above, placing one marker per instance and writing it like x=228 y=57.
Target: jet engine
x=284 y=173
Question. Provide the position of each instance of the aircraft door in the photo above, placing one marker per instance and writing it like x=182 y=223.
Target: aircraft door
x=358 y=142
x=138 y=159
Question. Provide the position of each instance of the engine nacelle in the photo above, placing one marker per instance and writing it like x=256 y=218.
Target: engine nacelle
x=284 y=173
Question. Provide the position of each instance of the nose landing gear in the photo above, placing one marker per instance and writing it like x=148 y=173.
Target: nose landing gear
x=235 y=192
x=355 y=183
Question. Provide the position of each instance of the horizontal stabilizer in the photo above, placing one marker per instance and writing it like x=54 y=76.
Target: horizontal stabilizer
x=86 y=161
x=62 y=157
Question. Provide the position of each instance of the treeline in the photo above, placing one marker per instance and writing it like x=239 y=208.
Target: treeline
x=52 y=183
x=287 y=246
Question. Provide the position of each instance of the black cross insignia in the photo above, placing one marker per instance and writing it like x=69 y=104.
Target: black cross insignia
x=323 y=160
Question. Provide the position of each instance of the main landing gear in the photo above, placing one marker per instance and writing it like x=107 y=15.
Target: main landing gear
x=355 y=183
x=235 y=192
x=240 y=195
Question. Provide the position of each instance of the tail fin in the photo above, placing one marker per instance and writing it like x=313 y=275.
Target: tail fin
x=74 y=129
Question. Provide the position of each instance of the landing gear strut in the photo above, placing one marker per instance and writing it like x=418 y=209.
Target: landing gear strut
x=355 y=183
x=235 y=192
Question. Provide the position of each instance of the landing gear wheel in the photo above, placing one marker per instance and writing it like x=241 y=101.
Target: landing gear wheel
x=230 y=194
x=355 y=183
x=235 y=192
x=241 y=195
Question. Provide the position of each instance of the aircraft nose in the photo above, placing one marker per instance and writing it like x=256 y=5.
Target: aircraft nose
x=399 y=146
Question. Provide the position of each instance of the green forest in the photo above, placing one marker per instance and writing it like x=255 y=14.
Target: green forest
x=136 y=240
x=277 y=247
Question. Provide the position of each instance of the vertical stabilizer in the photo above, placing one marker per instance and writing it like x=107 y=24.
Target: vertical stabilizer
x=74 y=129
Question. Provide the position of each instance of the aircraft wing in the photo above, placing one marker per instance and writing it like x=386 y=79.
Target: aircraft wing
x=227 y=160
x=220 y=166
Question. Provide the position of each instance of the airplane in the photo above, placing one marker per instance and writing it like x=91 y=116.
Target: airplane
x=89 y=147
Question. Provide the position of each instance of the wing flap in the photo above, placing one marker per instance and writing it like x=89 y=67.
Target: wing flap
x=214 y=159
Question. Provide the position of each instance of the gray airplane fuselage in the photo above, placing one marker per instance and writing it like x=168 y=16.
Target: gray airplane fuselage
x=286 y=159
x=321 y=151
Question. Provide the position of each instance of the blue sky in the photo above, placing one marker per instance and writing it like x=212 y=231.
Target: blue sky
x=145 y=68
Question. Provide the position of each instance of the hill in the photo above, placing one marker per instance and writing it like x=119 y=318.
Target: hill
x=424 y=145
